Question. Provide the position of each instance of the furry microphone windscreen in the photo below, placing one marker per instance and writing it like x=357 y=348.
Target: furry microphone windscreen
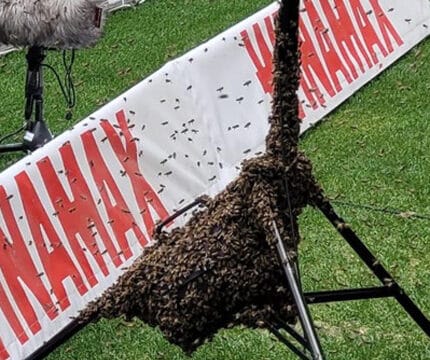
x=60 y=24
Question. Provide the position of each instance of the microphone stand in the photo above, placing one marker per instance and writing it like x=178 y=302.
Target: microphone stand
x=36 y=131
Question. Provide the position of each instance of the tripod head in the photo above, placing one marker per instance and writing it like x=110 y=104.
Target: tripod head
x=40 y=25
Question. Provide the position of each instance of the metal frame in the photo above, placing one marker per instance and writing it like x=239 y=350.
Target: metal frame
x=309 y=340
x=169 y=219
x=390 y=288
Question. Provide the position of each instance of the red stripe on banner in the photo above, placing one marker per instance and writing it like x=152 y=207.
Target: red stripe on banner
x=346 y=37
x=79 y=216
x=268 y=22
x=322 y=62
x=17 y=267
x=11 y=318
x=56 y=261
x=264 y=62
x=313 y=70
x=143 y=191
x=386 y=27
x=330 y=55
x=3 y=352
x=367 y=30
x=120 y=218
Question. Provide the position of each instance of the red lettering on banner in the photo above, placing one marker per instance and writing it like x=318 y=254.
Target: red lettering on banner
x=345 y=35
x=311 y=66
x=121 y=220
x=316 y=81
x=330 y=55
x=17 y=266
x=11 y=317
x=313 y=69
x=263 y=65
x=386 y=26
x=56 y=261
x=143 y=191
x=268 y=21
x=79 y=216
x=367 y=30
x=3 y=352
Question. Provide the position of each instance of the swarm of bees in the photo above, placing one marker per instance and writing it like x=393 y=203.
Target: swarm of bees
x=222 y=269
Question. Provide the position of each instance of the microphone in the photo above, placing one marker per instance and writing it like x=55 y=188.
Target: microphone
x=53 y=24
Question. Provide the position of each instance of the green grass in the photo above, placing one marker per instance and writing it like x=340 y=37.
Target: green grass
x=373 y=150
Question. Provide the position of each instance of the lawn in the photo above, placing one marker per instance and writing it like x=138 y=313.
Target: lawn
x=373 y=150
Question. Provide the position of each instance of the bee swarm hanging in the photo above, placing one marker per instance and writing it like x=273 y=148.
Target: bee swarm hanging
x=222 y=269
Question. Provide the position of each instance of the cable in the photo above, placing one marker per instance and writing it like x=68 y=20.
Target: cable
x=67 y=87
x=386 y=210
x=68 y=79
x=7 y=136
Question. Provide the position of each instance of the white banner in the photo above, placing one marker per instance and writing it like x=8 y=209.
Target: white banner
x=74 y=214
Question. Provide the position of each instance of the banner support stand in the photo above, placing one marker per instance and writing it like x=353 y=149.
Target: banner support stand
x=390 y=288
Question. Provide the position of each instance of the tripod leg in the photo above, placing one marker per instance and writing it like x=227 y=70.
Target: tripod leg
x=11 y=147
x=304 y=314
x=374 y=265
x=36 y=131
x=287 y=343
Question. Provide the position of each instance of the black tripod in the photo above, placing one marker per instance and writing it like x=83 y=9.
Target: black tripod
x=390 y=288
x=307 y=346
x=36 y=130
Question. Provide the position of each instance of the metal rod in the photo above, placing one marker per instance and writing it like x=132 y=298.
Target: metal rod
x=286 y=342
x=57 y=340
x=304 y=314
x=375 y=266
x=11 y=147
x=34 y=83
x=318 y=297
x=299 y=338
x=177 y=213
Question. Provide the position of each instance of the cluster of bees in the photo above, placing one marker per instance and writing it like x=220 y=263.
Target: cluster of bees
x=222 y=268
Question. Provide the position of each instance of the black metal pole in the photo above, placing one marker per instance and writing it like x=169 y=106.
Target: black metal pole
x=59 y=339
x=375 y=266
x=178 y=213
x=33 y=83
x=11 y=147
x=36 y=131
x=304 y=314
x=287 y=343
x=317 y=297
